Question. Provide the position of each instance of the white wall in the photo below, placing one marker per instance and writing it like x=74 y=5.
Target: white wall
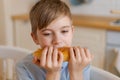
x=7 y=9
x=8 y=22
x=21 y=6
x=16 y=7
x=2 y=24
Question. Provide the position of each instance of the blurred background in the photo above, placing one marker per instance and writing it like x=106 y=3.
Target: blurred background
x=97 y=27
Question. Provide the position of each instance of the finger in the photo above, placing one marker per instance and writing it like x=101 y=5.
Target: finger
x=49 y=55
x=89 y=56
x=61 y=57
x=55 y=55
x=36 y=61
x=87 y=52
x=82 y=53
x=43 y=56
x=72 y=56
x=77 y=53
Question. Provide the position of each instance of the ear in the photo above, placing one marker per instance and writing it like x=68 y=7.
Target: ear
x=35 y=39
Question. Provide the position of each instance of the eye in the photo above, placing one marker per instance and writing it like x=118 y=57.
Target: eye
x=46 y=34
x=64 y=31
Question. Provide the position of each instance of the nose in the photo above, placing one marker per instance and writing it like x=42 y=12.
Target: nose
x=56 y=39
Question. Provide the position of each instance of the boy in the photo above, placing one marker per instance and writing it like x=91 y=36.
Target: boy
x=51 y=29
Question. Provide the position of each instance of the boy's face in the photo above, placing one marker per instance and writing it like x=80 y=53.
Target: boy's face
x=59 y=33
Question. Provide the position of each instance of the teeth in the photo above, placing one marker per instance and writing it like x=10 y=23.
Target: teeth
x=64 y=50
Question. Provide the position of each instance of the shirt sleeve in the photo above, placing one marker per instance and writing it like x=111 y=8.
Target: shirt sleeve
x=21 y=72
x=86 y=73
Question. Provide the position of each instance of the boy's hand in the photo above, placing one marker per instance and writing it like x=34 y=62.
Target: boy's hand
x=79 y=59
x=51 y=60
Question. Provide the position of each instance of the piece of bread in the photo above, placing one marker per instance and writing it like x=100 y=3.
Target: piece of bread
x=64 y=50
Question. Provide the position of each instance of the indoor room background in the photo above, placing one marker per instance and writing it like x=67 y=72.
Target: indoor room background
x=103 y=43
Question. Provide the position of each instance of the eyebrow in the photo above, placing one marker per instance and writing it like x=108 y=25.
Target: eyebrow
x=45 y=30
x=65 y=26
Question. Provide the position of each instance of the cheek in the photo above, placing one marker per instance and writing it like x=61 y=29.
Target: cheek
x=68 y=38
x=44 y=41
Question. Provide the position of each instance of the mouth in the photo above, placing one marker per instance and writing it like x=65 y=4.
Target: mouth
x=57 y=46
x=60 y=46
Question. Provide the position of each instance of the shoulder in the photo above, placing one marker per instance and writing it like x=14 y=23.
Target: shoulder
x=28 y=68
x=27 y=59
x=27 y=63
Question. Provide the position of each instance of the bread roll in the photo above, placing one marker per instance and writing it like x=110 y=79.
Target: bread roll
x=64 y=50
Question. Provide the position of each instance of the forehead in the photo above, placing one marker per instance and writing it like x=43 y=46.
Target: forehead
x=61 y=22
